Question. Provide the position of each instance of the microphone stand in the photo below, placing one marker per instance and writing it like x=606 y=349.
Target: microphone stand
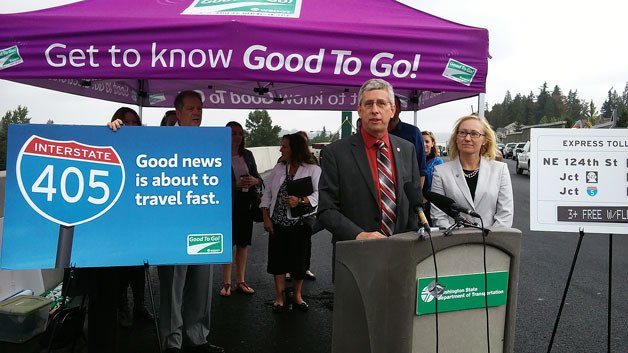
x=463 y=222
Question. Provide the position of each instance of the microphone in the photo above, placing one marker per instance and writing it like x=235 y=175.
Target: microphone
x=468 y=211
x=415 y=203
x=443 y=203
x=448 y=205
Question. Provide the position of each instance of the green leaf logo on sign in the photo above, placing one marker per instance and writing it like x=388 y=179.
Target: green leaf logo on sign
x=462 y=292
x=203 y=244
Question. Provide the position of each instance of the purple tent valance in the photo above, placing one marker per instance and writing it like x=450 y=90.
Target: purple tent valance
x=277 y=54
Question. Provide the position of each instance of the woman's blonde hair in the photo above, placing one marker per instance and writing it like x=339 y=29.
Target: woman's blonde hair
x=488 y=148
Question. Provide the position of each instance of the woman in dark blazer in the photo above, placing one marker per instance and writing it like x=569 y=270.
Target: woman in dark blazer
x=245 y=180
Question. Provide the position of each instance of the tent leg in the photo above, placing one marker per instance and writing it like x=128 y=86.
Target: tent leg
x=481 y=100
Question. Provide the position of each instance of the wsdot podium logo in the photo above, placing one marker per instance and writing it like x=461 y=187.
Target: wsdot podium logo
x=202 y=244
x=426 y=295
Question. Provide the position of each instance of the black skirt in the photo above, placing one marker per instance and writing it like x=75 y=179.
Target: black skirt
x=289 y=250
x=242 y=219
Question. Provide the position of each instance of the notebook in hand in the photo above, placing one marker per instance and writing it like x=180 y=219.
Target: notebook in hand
x=300 y=187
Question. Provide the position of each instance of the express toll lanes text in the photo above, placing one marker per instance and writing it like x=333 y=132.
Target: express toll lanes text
x=596 y=143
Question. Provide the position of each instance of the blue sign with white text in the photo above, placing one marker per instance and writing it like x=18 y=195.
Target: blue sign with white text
x=160 y=195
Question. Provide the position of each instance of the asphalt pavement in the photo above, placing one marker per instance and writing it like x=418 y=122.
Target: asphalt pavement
x=246 y=323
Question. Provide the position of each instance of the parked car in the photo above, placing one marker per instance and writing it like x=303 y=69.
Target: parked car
x=509 y=149
x=500 y=147
x=518 y=149
x=523 y=159
x=317 y=148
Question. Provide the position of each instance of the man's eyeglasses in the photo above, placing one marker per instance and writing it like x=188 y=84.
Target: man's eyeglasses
x=381 y=103
x=474 y=134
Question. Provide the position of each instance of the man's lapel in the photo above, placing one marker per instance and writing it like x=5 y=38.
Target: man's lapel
x=359 y=153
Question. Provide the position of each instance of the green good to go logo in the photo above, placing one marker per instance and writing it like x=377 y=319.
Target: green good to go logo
x=202 y=244
x=459 y=72
x=10 y=57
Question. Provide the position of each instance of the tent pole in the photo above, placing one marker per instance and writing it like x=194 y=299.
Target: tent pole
x=481 y=99
x=415 y=117
x=141 y=94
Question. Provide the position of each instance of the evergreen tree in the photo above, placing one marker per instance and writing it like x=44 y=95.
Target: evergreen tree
x=622 y=117
x=611 y=103
x=555 y=106
x=529 y=109
x=591 y=114
x=508 y=114
x=495 y=116
x=322 y=136
x=574 y=108
x=261 y=131
x=17 y=116
x=541 y=102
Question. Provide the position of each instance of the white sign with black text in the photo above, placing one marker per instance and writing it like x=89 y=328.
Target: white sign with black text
x=579 y=179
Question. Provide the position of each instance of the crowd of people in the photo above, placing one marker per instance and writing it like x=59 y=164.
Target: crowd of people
x=357 y=193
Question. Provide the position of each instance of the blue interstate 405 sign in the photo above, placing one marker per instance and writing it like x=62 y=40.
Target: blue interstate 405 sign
x=160 y=195
x=68 y=182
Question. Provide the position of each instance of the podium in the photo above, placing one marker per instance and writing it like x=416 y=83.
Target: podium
x=382 y=303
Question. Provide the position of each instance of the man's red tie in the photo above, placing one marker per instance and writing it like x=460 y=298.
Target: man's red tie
x=386 y=189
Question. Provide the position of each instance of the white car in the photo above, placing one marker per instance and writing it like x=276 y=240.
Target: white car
x=523 y=159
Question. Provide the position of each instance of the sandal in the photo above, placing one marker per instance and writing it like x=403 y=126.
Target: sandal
x=242 y=287
x=277 y=308
x=225 y=291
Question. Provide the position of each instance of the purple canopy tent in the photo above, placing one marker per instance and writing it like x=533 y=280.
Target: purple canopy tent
x=263 y=54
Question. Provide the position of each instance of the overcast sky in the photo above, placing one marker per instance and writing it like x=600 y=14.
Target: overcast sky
x=575 y=45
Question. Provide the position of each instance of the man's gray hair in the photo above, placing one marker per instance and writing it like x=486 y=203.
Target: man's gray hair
x=178 y=100
x=375 y=84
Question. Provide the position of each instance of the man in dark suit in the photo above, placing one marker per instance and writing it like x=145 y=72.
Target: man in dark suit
x=352 y=205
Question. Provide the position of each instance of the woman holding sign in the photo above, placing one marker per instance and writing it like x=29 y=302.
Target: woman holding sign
x=473 y=179
x=131 y=276
x=288 y=217
x=245 y=180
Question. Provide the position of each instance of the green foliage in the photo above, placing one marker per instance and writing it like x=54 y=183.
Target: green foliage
x=591 y=114
x=17 y=116
x=261 y=131
x=553 y=106
x=323 y=136
x=611 y=104
x=622 y=117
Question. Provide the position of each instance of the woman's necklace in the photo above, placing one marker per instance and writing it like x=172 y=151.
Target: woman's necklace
x=471 y=174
